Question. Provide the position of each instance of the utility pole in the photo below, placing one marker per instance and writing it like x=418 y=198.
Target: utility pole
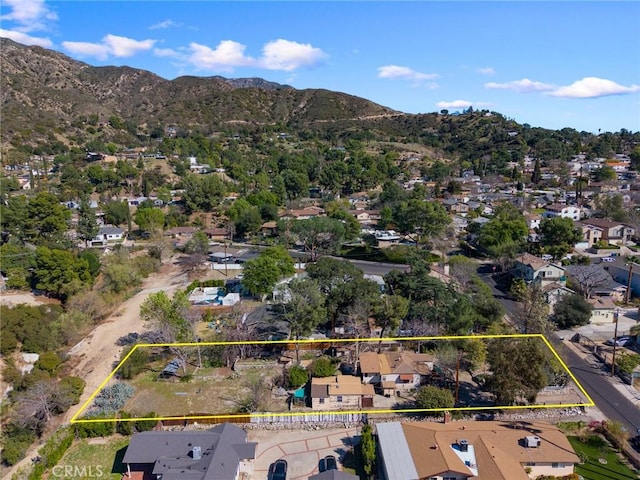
x=615 y=342
x=627 y=293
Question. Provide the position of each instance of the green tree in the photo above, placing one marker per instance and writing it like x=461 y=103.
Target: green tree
x=46 y=219
x=245 y=217
x=536 y=176
x=262 y=273
x=517 y=366
x=572 y=311
x=424 y=219
x=199 y=244
x=613 y=207
x=368 y=448
x=87 y=228
x=302 y=307
x=532 y=312
x=430 y=397
x=116 y=213
x=319 y=235
x=503 y=237
x=150 y=219
x=322 y=367
x=60 y=273
x=389 y=312
x=604 y=174
x=296 y=376
x=559 y=235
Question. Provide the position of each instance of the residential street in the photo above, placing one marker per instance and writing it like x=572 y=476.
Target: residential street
x=612 y=403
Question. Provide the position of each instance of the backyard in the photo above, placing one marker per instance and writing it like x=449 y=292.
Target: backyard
x=602 y=462
x=93 y=458
x=207 y=391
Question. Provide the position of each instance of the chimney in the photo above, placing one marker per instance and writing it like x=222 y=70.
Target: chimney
x=197 y=453
x=447 y=416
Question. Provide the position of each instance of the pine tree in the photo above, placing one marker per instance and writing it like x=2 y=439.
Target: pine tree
x=87 y=224
x=537 y=174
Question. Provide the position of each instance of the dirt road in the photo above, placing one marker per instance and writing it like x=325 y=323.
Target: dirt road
x=94 y=355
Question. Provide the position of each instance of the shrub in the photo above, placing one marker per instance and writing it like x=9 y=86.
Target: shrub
x=56 y=446
x=111 y=399
x=16 y=442
x=296 y=377
x=146 y=425
x=433 y=397
x=73 y=386
x=135 y=364
x=126 y=427
x=95 y=429
x=323 y=367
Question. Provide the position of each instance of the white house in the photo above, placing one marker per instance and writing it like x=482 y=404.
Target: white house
x=564 y=211
x=536 y=270
x=106 y=235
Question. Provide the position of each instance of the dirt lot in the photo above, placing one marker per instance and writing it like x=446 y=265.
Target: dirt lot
x=212 y=391
x=16 y=298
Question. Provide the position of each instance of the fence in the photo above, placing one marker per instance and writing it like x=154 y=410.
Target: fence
x=312 y=418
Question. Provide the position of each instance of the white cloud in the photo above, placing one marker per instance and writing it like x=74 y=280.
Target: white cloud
x=227 y=55
x=25 y=39
x=405 y=73
x=486 y=71
x=521 y=86
x=462 y=104
x=593 y=87
x=288 y=56
x=110 y=45
x=165 y=24
x=29 y=15
x=276 y=55
x=87 y=49
x=126 y=47
x=165 y=52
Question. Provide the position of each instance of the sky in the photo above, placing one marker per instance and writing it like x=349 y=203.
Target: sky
x=548 y=64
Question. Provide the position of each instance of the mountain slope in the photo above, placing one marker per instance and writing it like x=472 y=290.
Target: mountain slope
x=42 y=89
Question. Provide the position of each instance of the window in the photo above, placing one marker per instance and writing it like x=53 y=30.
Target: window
x=556 y=465
x=322 y=400
x=339 y=399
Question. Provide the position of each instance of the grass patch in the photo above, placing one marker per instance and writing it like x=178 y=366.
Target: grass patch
x=88 y=459
x=352 y=462
x=594 y=449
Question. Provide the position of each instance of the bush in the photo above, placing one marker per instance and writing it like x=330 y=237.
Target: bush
x=135 y=364
x=111 y=399
x=56 y=446
x=296 y=377
x=95 y=429
x=126 y=427
x=431 y=397
x=16 y=442
x=322 y=367
x=146 y=425
x=73 y=386
x=49 y=362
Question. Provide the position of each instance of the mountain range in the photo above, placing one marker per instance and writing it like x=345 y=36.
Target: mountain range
x=42 y=89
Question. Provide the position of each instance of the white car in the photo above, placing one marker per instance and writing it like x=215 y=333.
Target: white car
x=619 y=342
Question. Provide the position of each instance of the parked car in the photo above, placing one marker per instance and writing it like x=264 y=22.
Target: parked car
x=278 y=470
x=635 y=443
x=328 y=463
x=619 y=342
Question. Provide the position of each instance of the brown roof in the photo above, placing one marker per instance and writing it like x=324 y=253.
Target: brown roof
x=498 y=447
x=407 y=363
x=601 y=222
x=369 y=362
x=341 y=385
x=532 y=261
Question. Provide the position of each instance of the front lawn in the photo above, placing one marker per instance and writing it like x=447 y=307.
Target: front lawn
x=93 y=458
x=603 y=463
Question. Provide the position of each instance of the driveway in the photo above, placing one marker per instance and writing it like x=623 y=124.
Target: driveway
x=302 y=449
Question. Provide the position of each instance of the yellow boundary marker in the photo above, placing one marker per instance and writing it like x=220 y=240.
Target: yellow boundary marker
x=76 y=419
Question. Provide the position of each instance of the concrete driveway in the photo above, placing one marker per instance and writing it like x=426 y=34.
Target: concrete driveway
x=302 y=449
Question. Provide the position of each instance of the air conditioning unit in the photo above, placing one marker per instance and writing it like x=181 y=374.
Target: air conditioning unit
x=196 y=453
x=463 y=445
x=532 y=441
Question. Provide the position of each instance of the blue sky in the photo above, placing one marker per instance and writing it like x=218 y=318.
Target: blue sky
x=549 y=64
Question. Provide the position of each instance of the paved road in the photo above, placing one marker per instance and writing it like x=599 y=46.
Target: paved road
x=376 y=268
x=611 y=402
x=597 y=383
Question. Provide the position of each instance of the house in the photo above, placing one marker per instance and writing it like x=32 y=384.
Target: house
x=340 y=392
x=603 y=310
x=221 y=453
x=612 y=232
x=533 y=221
x=487 y=450
x=534 y=269
x=621 y=271
x=181 y=233
x=304 y=214
x=564 y=211
x=395 y=372
x=107 y=234
x=269 y=229
x=219 y=234
x=367 y=217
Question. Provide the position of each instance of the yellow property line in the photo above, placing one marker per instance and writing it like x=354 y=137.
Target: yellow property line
x=75 y=418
